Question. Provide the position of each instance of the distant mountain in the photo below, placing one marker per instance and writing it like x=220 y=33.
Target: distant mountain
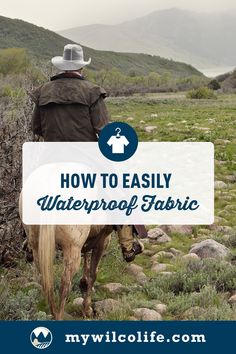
x=201 y=39
x=44 y=44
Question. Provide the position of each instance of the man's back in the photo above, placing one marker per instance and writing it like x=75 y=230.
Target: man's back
x=69 y=108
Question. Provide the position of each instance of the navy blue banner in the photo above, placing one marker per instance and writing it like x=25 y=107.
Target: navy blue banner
x=114 y=336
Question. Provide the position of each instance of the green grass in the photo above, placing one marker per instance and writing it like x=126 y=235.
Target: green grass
x=180 y=119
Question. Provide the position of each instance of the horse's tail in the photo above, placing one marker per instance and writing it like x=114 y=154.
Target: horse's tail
x=46 y=257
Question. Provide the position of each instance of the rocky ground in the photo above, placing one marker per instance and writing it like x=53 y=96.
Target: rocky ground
x=167 y=282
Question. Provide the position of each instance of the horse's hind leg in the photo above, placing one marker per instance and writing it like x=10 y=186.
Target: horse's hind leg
x=83 y=284
x=71 y=259
x=95 y=259
x=32 y=233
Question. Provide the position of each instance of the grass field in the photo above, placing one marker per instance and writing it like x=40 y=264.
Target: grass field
x=195 y=289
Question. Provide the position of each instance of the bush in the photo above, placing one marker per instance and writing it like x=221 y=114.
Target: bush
x=15 y=129
x=196 y=275
x=17 y=306
x=9 y=91
x=208 y=305
x=214 y=85
x=201 y=93
x=13 y=61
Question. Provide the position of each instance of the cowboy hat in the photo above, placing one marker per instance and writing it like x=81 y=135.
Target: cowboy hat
x=72 y=59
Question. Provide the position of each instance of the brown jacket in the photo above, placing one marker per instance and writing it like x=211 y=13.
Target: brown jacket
x=69 y=108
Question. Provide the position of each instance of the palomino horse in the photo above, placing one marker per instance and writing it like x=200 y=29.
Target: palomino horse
x=74 y=240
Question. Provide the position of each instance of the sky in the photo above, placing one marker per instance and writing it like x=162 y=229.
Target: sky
x=58 y=14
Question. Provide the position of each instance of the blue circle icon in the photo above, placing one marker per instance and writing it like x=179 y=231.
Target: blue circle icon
x=118 y=141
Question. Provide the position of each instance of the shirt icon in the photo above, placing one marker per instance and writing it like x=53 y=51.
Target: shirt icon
x=118 y=143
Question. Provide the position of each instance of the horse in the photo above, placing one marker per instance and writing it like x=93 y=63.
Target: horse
x=74 y=240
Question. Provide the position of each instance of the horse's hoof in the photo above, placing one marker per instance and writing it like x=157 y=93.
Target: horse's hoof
x=88 y=313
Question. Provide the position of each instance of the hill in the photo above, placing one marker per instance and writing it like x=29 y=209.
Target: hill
x=228 y=81
x=202 y=39
x=44 y=44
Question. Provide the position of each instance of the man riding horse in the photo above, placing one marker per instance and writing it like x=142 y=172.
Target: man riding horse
x=70 y=108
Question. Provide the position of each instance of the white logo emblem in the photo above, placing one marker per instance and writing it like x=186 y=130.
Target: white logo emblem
x=41 y=337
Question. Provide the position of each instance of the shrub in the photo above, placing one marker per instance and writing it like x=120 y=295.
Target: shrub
x=201 y=93
x=208 y=304
x=196 y=275
x=214 y=85
x=15 y=128
x=9 y=91
x=18 y=306
x=13 y=61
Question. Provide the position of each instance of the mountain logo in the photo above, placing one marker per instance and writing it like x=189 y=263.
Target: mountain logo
x=41 y=337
